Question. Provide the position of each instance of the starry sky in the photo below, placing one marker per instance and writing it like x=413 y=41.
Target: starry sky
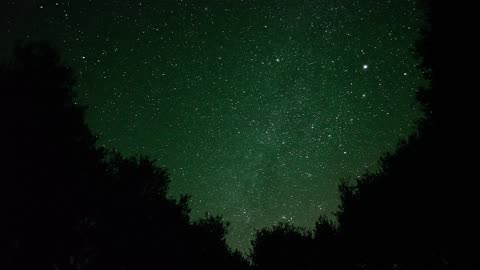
x=257 y=108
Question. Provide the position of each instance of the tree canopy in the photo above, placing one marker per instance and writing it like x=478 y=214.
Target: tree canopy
x=67 y=203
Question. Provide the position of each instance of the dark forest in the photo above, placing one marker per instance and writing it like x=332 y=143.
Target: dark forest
x=68 y=202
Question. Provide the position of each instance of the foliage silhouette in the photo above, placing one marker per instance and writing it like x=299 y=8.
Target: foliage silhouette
x=285 y=246
x=51 y=161
x=419 y=211
x=403 y=216
x=67 y=204
x=282 y=247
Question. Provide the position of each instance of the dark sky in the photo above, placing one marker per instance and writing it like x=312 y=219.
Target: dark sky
x=257 y=108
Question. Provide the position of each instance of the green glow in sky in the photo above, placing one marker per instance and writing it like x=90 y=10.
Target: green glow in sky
x=257 y=108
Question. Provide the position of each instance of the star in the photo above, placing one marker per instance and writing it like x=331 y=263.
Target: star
x=243 y=95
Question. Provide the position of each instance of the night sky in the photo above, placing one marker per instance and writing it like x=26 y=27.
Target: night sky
x=257 y=108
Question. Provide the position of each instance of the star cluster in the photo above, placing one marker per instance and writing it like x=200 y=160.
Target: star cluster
x=257 y=108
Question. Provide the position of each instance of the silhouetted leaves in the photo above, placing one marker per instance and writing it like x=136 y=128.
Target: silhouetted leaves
x=419 y=211
x=67 y=204
x=50 y=160
x=282 y=247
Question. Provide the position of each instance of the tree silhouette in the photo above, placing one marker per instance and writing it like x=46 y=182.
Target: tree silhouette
x=140 y=228
x=327 y=249
x=283 y=246
x=68 y=204
x=419 y=211
x=50 y=160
